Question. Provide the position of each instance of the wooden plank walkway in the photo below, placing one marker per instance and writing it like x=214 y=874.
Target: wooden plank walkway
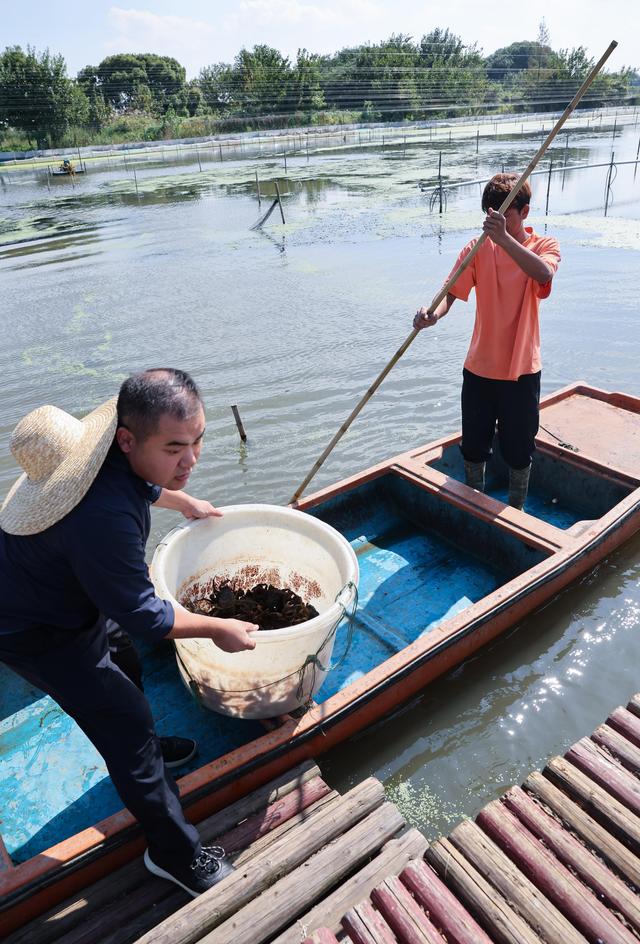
x=555 y=860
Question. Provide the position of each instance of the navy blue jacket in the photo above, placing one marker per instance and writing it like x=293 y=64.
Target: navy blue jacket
x=90 y=562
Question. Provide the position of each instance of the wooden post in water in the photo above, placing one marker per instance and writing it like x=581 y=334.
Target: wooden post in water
x=236 y=416
x=635 y=169
x=258 y=190
x=279 y=200
x=564 y=169
x=135 y=178
x=607 y=189
x=440 y=179
x=477 y=140
x=220 y=149
x=198 y=156
x=546 y=208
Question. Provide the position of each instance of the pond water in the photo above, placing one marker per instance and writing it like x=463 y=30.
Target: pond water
x=115 y=271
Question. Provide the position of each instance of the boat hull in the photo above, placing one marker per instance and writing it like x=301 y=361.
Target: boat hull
x=597 y=510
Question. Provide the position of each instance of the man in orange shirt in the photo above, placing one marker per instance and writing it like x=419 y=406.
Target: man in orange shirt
x=511 y=272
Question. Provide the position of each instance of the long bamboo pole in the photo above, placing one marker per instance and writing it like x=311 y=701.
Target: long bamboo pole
x=445 y=288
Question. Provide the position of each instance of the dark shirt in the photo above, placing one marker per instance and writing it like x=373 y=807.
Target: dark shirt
x=90 y=562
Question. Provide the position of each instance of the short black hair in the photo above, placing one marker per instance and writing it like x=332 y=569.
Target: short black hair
x=499 y=186
x=147 y=396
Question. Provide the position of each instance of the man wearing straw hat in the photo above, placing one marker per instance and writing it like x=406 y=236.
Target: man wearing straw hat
x=74 y=583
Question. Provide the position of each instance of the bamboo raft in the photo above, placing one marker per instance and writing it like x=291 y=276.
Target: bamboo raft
x=557 y=860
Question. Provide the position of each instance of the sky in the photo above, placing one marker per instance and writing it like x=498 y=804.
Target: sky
x=198 y=33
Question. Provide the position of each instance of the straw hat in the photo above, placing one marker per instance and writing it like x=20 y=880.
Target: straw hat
x=61 y=457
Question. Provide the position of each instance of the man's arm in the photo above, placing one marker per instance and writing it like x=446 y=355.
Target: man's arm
x=425 y=319
x=187 y=505
x=531 y=264
x=107 y=558
x=231 y=635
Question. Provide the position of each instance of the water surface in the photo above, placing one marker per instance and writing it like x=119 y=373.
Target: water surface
x=112 y=273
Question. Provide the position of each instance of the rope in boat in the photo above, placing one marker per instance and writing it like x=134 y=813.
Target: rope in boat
x=565 y=445
x=313 y=660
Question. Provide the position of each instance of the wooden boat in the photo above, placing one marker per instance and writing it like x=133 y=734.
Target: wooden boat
x=73 y=171
x=443 y=570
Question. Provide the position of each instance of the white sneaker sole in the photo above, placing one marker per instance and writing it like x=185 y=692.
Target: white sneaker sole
x=161 y=873
x=183 y=760
x=156 y=870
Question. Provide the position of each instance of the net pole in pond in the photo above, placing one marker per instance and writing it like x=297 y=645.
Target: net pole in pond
x=546 y=208
x=236 y=416
x=258 y=190
x=279 y=200
x=607 y=189
x=445 y=289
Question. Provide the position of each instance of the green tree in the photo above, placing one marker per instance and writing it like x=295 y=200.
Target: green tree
x=381 y=75
x=195 y=102
x=393 y=76
x=261 y=81
x=504 y=64
x=36 y=96
x=140 y=82
x=450 y=74
x=218 y=87
x=306 y=91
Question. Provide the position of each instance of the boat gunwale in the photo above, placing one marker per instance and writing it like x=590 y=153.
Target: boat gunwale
x=213 y=781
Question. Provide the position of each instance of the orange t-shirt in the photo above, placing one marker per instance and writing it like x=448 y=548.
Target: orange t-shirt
x=506 y=335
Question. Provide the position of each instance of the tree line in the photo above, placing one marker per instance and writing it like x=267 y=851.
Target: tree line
x=148 y=96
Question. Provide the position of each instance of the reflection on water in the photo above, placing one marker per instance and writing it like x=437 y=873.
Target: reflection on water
x=522 y=700
x=292 y=323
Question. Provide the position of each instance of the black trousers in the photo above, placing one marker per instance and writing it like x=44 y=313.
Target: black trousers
x=80 y=673
x=513 y=404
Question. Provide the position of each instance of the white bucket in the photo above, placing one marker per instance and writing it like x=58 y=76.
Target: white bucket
x=259 y=544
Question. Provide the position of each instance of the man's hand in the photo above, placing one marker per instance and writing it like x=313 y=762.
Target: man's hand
x=233 y=635
x=424 y=319
x=197 y=508
x=495 y=226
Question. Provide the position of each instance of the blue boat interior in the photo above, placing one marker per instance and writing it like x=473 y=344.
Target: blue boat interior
x=558 y=494
x=422 y=560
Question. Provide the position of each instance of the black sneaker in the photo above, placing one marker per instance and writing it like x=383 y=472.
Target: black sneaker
x=177 y=751
x=207 y=869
